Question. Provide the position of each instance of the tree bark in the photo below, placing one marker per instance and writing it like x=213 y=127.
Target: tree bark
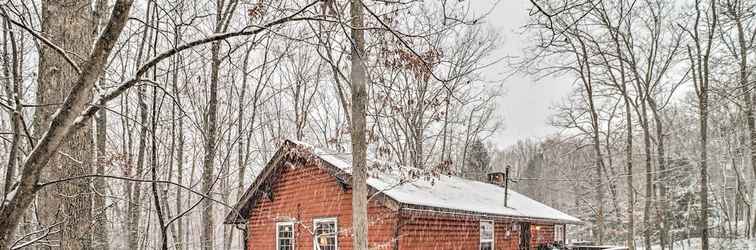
x=703 y=123
x=163 y=243
x=135 y=198
x=208 y=167
x=223 y=15
x=68 y=25
x=178 y=121
x=358 y=129
x=582 y=56
x=13 y=84
x=630 y=238
x=101 y=227
x=649 y=192
x=661 y=182
x=699 y=61
x=134 y=189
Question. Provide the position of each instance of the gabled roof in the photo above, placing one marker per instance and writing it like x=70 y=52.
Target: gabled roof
x=399 y=183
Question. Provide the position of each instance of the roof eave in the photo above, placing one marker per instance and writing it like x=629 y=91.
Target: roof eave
x=406 y=206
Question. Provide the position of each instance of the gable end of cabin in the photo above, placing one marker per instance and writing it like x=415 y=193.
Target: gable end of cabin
x=299 y=195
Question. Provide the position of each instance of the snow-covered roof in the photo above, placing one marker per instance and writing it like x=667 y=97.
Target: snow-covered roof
x=444 y=191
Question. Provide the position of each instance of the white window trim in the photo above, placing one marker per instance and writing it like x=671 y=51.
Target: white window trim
x=315 y=227
x=293 y=235
x=493 y=234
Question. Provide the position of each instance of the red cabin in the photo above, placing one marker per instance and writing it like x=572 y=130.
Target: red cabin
x=302 y=200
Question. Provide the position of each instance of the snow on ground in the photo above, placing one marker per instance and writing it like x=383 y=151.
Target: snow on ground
x=714 y=244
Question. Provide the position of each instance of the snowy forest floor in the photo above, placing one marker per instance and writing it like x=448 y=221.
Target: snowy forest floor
x=714 y=244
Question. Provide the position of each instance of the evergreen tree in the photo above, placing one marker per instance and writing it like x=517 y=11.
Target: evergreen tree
x=477 y=162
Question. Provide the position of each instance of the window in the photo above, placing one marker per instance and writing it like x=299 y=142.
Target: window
x=285 y=236
x=325 y=234
x=486 y=235
x=559 y=233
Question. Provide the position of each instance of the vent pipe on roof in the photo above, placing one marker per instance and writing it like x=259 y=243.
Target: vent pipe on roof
x=506 y=186
x=502 y=180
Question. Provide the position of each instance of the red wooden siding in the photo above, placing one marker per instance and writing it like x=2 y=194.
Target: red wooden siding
x=431 y=231
x=541 y=234
x=307 y=193
x=504 y=241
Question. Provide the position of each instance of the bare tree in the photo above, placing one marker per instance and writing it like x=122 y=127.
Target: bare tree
x=100 y=209
x=224 y=12
x=699 y=54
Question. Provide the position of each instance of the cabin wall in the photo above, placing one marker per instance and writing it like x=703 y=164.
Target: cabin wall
x=506 y=238
x=540 y=234
x=421 y=230
x=428 y=230
x=304 y=193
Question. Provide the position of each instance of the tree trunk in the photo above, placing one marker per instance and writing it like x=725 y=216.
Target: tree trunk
x=101 y=228
x=700 y=64
x=663 y=200
x=179 y=132
x=704 y=220
x=630 y=238
x=163 y=243
x=243 y=142
x=358 y=129
x=134 y=212
x=223 y=14
x=134 y=194
x=13 y=88
x=208 y=166
x=67 y=24
x=586 y=78
x=101 y=236
x=649 y=193
x=600 y=177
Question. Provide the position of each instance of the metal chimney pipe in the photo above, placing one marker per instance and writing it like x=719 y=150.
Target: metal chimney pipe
x=506 y=185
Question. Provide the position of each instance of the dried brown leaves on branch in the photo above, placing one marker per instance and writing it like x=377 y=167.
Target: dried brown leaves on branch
x=420 y=66
x=257 y=11
x=301 y=154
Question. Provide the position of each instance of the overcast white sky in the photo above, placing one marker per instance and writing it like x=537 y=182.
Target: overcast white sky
x=526 y=104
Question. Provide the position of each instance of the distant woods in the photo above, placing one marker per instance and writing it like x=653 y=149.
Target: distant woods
x=658 y=141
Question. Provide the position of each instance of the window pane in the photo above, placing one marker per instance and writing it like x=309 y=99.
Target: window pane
x=285 y=237
x=284 y=234
x=486 y=230
x=284 y=244
x=485 y=246
x=325 y=235
x=285 y=231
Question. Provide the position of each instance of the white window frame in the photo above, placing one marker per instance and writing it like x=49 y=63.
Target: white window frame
x=278 y=235
x=493 y=234
x=315 y=228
